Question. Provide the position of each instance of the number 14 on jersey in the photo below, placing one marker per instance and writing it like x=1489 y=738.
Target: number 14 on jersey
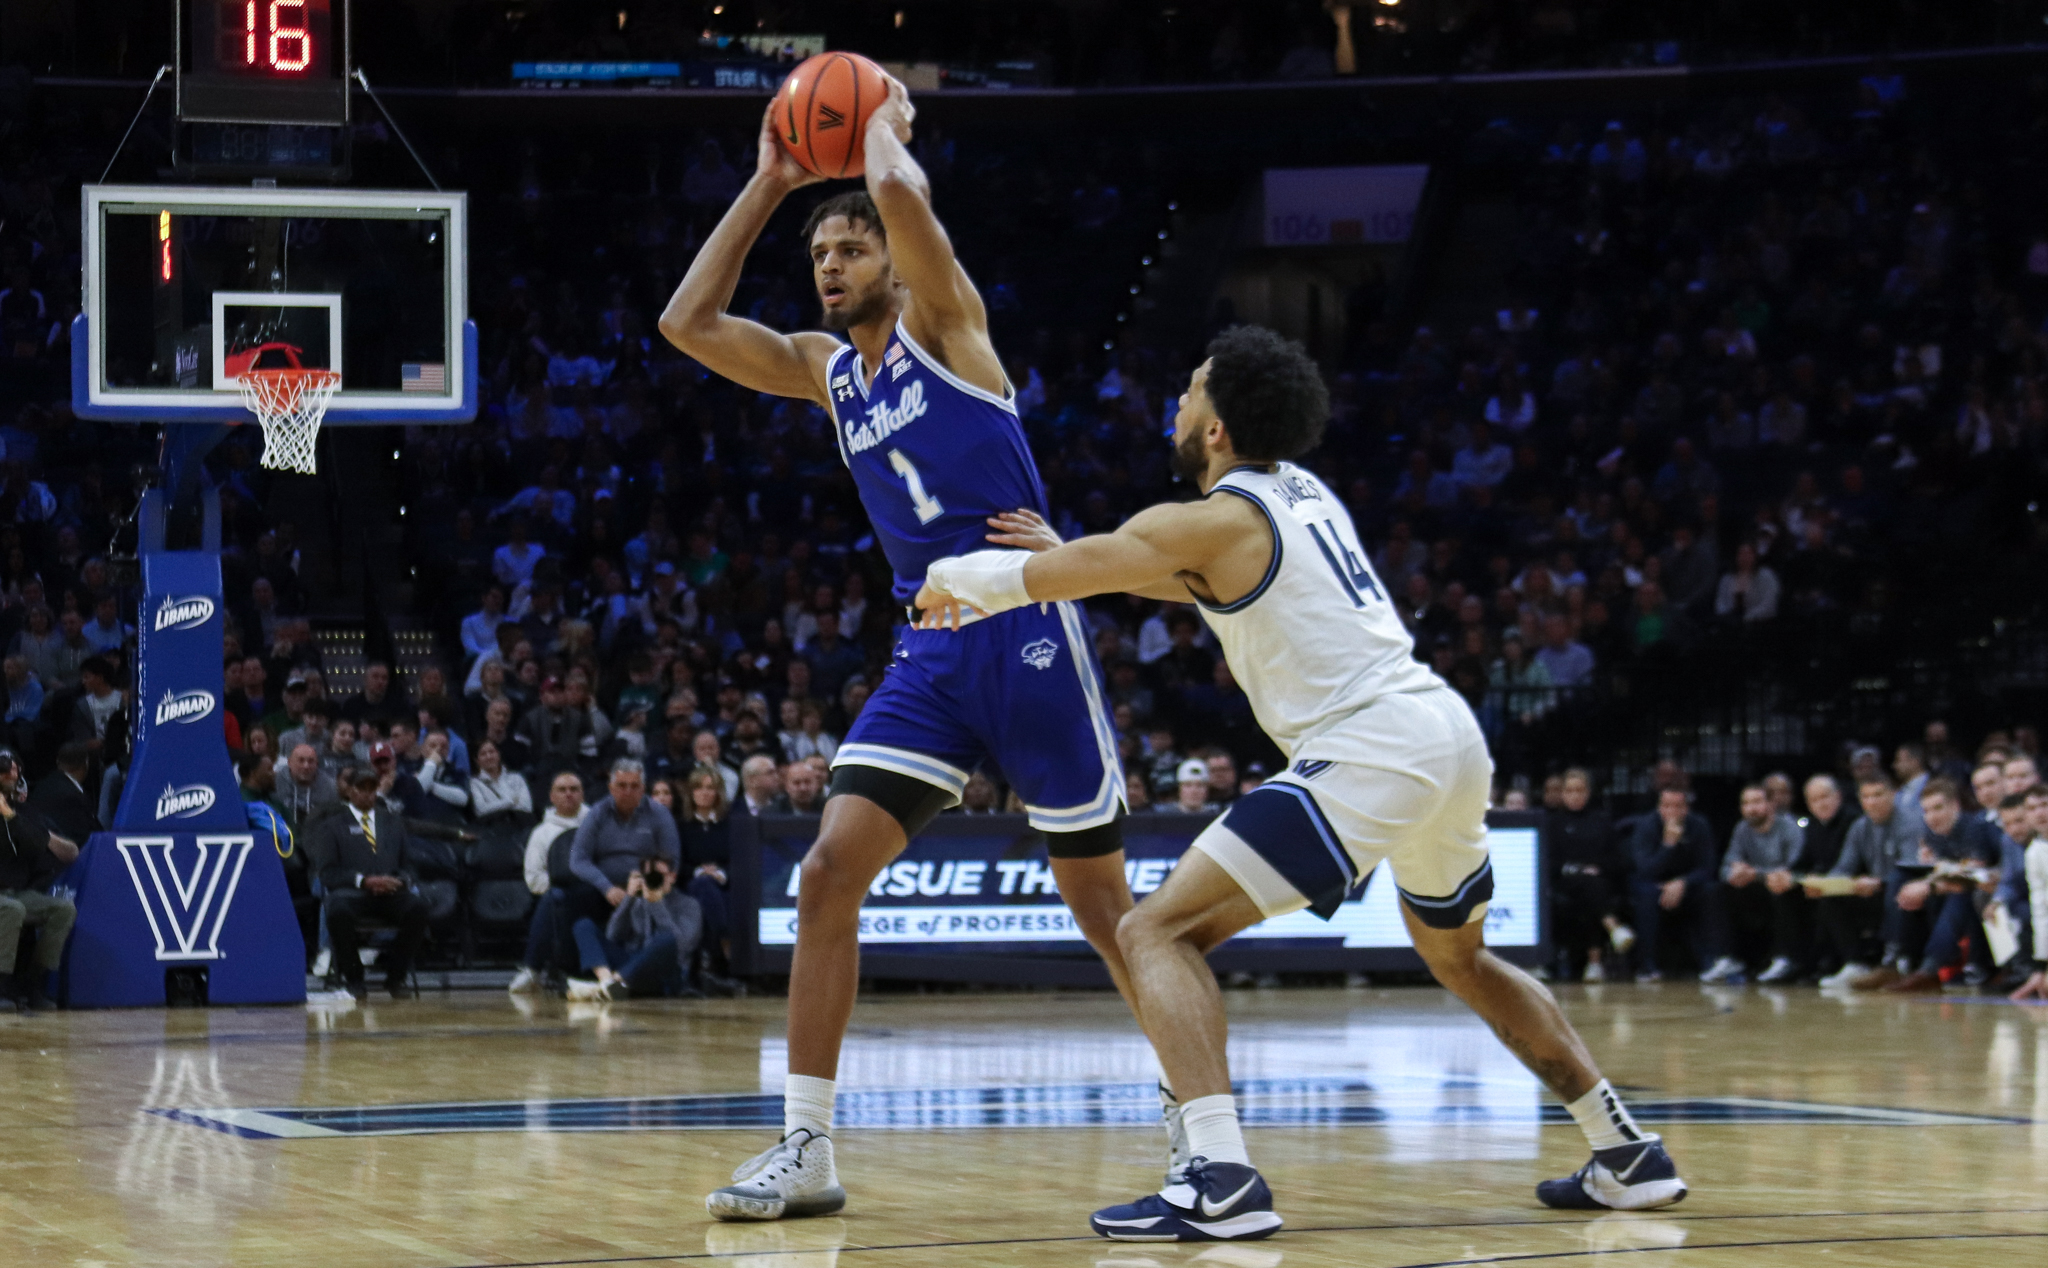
x=1353 y=573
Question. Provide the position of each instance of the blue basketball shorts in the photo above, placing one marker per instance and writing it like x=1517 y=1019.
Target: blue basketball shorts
x=1020 y=691
x=1405 y=780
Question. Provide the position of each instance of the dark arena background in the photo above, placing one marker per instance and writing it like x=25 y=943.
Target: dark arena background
x=1687 y=370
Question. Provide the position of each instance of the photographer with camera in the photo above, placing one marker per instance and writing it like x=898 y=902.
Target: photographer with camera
x=647 y=946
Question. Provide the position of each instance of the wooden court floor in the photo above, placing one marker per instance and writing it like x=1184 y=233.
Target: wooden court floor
x=468 y=1130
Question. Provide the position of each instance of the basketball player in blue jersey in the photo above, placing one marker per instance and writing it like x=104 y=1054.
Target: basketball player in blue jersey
x=927 y=423
x=1387 y=764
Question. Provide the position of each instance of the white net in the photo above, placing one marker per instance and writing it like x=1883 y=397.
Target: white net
x=290 y=405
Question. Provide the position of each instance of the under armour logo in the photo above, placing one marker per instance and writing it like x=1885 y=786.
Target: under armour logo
x=186 y=910
x=1040 y=655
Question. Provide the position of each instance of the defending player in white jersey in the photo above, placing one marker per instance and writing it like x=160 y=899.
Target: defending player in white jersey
x=1386 y=763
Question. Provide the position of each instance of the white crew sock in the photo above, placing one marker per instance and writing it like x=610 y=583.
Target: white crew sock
x=1213 y=1132
x=1605 y=1120
x=807 y=1102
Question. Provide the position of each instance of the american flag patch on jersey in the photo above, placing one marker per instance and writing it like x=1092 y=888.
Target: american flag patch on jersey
x=423 y=376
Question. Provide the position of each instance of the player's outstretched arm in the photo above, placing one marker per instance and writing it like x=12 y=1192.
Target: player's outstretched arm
x=1146 y=555
x=745 y=351
x=1154 y=546
x=1025 y=529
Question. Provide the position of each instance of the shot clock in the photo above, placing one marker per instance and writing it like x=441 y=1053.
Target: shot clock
x=263 y=61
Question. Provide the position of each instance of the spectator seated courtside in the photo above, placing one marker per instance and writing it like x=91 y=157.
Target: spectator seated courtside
x=1671 y=890
x=363 y=857
x=30 y=859
x=706 y=838
x=619 y=833
x=548 y=875
x=1850 y=899
x=1588 y=893
x=1931 y=912
x=1763 y=907
x=647 y=946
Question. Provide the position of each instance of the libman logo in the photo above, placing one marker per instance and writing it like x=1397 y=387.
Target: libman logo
x=183 y=612
x=184 y=706
x=184 y=803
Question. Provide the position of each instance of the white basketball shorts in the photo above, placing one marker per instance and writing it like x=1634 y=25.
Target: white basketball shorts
x=1405 y=780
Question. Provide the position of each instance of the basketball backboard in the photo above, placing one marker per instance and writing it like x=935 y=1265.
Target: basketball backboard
x=188 y=286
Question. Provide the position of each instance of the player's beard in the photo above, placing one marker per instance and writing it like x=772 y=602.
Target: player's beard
x=1189 y=461
x=858 y=312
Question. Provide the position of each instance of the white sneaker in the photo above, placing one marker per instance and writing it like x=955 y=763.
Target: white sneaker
x=796 y=1178
x=1621 y=938
x=1846 y=974
x=1726 y=969
x=323 y=962
x=1595 y=972
x=1780 y=970
x=585 y=990
x=525 y=982
x=1177 y=1151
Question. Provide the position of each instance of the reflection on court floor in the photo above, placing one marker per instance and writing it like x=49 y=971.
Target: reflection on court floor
x=464 y=1130
x=1326 y=1102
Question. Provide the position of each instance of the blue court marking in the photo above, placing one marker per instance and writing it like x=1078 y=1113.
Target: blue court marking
x=1305 y=1102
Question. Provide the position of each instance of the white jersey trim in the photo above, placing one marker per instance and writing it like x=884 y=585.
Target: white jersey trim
x=1272 y=568
x=832 y=401
x=1007 y=403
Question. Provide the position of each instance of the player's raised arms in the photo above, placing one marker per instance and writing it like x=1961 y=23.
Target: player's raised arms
x=945 y=313
x=696 y=320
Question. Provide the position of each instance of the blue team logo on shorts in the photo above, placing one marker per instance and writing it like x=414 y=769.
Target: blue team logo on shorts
x=1042 y=654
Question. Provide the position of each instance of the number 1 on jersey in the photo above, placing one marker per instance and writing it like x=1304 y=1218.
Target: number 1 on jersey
x=926 y=506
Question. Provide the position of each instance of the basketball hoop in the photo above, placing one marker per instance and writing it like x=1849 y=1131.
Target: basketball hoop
x=290 y=404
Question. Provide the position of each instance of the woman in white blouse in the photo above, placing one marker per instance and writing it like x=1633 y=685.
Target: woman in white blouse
x=1750 y=593
x=493 y=789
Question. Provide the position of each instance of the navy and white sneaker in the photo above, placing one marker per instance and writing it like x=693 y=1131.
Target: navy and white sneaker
x=1635 y=1176
x=1214 y=1202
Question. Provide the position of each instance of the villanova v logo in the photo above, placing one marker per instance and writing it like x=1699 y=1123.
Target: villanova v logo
x=186 y=911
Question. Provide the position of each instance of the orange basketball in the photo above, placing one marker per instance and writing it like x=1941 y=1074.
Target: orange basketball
x=822 y=109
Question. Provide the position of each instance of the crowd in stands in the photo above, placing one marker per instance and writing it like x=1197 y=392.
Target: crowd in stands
x=1894 y=876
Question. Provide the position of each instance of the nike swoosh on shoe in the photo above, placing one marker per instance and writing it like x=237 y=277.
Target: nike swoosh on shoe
x=1212 y=1209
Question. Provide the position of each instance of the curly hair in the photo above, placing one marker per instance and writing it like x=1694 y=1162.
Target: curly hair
x=1268 y=392
x=855 y=205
